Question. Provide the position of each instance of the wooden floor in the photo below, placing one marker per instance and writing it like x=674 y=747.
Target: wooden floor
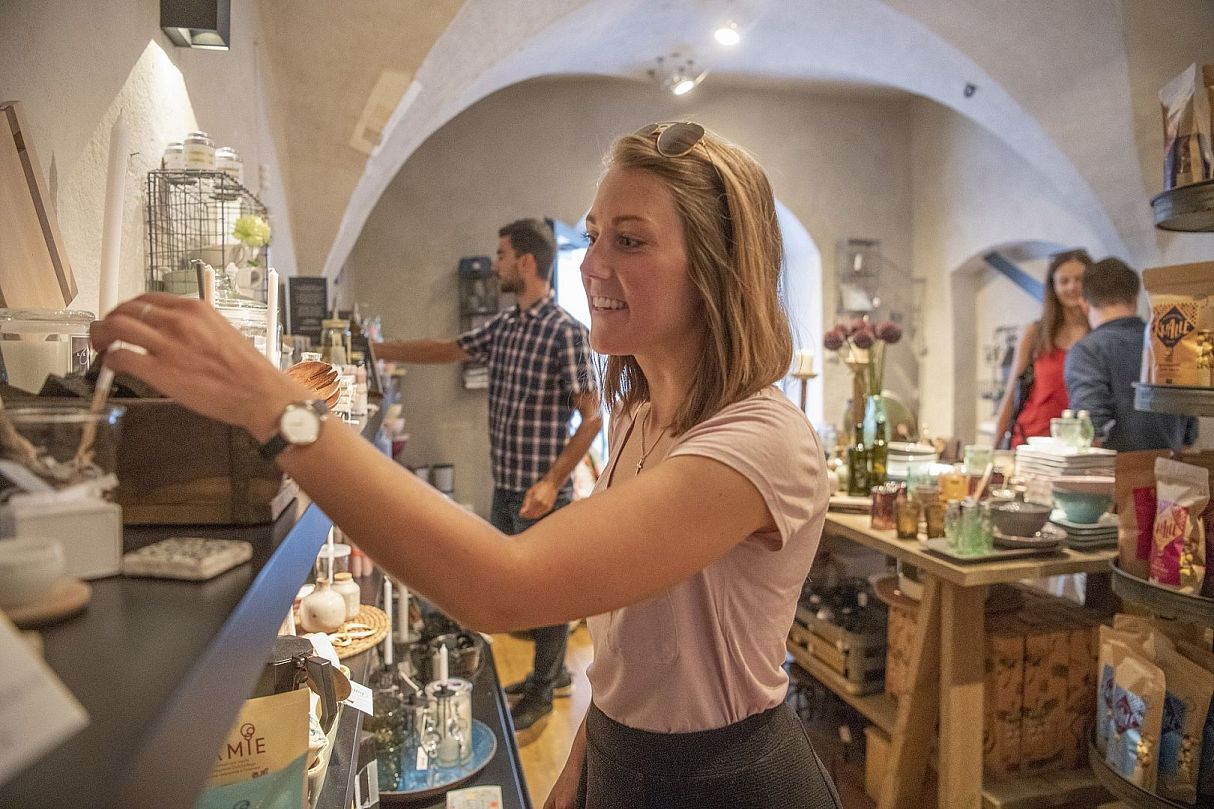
x=544 y=757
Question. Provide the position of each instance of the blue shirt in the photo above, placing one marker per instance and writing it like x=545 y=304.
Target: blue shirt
x=1100 y=372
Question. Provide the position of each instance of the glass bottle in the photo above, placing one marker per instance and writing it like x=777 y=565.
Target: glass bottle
x=1086 y=431
x=857 y=465
x=878 y=454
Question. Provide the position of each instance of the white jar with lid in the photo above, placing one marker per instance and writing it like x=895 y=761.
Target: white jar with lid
x=199 y=151
x=174 y=157
x=227 y=161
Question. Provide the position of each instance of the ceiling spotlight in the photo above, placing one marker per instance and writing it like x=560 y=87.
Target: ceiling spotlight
x=676 y=74
x=728 y=34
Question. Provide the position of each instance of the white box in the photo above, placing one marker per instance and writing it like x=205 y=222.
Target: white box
x=90 y=530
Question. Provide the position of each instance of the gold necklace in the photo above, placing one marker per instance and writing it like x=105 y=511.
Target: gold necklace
x=646 y=452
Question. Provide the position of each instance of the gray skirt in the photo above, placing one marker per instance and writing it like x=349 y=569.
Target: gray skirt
x=766 y=760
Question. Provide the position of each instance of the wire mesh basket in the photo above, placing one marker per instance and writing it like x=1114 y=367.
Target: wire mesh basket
x=190 y=215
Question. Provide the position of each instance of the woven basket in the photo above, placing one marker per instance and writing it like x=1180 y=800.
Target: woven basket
x=372 y=617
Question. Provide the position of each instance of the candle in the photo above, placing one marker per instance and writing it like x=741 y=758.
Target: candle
x=111 y=226
x=442 y=662
x=402 y=612
x=388 y=612
x=272 y=316
x=803 y=364
x=207 y=289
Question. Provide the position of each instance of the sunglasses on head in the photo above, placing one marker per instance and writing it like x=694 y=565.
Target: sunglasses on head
x=674 y=138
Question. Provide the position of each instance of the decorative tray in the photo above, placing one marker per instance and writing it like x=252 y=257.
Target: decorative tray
x=413 y=784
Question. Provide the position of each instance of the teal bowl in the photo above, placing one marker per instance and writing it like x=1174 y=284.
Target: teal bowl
x=1082 y=507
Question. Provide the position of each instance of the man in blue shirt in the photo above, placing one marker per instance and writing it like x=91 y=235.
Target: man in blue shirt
x=1102 y=367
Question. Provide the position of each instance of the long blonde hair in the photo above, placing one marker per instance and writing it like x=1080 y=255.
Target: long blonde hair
x=734 y=259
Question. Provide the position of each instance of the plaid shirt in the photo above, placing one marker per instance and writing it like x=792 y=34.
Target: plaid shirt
x=538 y=361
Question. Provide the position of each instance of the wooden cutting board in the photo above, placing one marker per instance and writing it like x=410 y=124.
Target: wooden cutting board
x=34 y=270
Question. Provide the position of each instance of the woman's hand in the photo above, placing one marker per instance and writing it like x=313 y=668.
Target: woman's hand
x=197 y=358
x=564 y=791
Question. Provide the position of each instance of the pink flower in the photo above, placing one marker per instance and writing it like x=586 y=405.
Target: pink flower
x=889 y=332
x=863 y=338
x=833 y=339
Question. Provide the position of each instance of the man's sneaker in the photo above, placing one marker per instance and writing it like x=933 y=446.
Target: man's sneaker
x=530 y=713
x=562 y=688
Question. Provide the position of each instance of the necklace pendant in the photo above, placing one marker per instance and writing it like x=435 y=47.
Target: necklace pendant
x=640 y=465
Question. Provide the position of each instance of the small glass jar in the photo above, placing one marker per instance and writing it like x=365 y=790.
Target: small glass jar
x=952 y=525
x=345 y=586
x=199 y=151
x=933 y=518
x=954 y=485
x=229 y=162
x=249 y=317
x=883 y=507
x=906 y=518
x=38 y=342
x=174 y=157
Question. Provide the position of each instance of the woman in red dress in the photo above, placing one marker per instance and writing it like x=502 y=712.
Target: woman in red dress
x=1044 y=344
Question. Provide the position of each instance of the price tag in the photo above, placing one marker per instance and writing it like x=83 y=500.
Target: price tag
x=487 y=797
x=37 y=712
x=360 y=698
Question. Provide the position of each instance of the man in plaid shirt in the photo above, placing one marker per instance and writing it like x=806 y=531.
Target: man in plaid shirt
x=538 y=356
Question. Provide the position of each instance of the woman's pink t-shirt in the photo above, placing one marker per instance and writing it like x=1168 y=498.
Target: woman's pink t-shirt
x=709 y=651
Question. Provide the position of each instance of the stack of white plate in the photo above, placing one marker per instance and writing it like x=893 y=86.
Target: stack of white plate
x=1099 y=534
x=900 y=455
x=1040 y=463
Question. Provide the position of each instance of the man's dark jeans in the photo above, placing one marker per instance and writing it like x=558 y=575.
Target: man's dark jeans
x=550 y=641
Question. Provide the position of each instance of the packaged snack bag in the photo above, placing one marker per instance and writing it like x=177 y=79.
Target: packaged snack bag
x=1134 y=489
x=1178 y=552
x=1137 y=715
x=1187 y=720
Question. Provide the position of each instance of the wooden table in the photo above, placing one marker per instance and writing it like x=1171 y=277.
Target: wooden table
x=946 y=664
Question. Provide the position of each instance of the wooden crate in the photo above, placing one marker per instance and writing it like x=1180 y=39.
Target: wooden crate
x=176 y=467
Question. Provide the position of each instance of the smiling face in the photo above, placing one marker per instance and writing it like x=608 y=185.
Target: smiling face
x=1068 y=283
x=642 y=301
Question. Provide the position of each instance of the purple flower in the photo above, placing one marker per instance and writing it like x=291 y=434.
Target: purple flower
x=833 y=340
x=889 y=331
x=863 y=338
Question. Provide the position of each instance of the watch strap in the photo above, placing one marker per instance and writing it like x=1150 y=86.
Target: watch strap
x=272 y=448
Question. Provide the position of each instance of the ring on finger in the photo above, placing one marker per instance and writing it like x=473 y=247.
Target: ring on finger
x=143 y=313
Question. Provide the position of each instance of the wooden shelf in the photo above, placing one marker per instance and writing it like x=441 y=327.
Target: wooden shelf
x=855 y=527
x=880 y=709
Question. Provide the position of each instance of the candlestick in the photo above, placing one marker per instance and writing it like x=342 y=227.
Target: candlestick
x=402 y=612
x=272 y=316
x=443 y=662
x=111 y=226
x=206 y=288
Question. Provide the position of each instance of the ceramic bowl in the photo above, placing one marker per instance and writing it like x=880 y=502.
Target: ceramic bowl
x=29 y=567
x=1089 y=484
x=1016 y=519
x=1082 y=507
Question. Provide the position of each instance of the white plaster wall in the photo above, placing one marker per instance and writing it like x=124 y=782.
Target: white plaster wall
x=839 y=164
x=972 y=193
x=74 y=68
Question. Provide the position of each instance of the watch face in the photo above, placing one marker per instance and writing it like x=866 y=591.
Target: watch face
x=299 y=425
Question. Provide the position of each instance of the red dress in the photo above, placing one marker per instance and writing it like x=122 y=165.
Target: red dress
x=1047 y=399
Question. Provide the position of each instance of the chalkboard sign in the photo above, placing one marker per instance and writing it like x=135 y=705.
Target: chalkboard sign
x=309 y=299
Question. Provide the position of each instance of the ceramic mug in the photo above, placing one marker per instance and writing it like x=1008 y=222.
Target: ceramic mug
x=29 y=568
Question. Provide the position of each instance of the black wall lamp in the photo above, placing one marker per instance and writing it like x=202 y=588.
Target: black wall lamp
x=202 y=24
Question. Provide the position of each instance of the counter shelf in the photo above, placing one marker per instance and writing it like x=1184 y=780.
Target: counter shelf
x=163 y=666
x=1178 y=399
x=1188 y=209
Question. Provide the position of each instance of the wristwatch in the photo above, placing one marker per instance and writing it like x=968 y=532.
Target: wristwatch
x=298 y=426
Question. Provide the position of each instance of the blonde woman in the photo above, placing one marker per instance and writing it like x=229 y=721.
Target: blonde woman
x=690 y=555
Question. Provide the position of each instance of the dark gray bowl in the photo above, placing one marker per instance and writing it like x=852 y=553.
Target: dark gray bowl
x=1017 y=519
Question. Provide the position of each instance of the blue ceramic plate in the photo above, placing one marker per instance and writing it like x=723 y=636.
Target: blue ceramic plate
x=414 y=784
